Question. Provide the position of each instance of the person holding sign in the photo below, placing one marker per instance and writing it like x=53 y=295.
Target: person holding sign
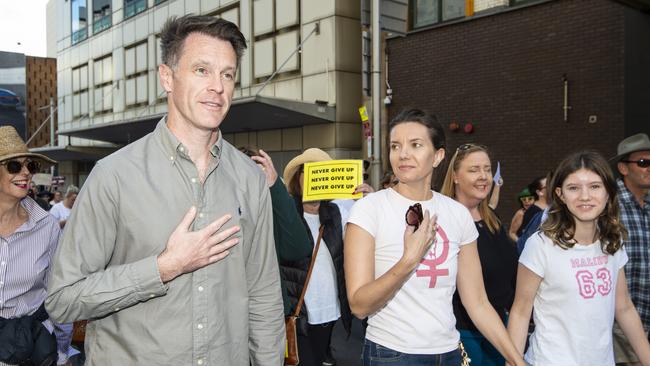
x=325 y=300
x=572 y=272
x=406 y=248
x=468 y=181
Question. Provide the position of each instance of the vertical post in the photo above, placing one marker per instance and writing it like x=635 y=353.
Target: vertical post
x=51 y=121
x=376 y=97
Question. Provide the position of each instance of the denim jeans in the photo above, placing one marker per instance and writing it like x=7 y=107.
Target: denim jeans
x=375 y=354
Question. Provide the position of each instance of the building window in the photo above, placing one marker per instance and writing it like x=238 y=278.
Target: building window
x=79 y=21
x=133 y=7
x=276 y=30
x=101 y=15
x=103 y=84
x=135 y=69
x=80 y=91
x=428 y=12
x=159 y=2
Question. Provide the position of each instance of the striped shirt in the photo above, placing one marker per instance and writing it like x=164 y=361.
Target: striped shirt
x=636 y=220
x=25 y=258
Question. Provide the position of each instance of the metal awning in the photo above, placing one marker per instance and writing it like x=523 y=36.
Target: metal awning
x=247 y=114
x=78 y=153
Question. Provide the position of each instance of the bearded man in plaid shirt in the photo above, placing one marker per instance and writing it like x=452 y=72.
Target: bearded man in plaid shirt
x=633 y=162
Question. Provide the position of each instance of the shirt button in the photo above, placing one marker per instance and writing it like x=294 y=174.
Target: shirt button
x=116 y=309
x=200 y=362
x=193 y=180
x=171 y=158
x=151 y=295
x=2 y=263
x=181 y=148
x=201 y=214
x=200 y=287
x=200 y=326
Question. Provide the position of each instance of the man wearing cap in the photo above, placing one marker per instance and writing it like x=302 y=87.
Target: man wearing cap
x=633 y=163
x=169 y=251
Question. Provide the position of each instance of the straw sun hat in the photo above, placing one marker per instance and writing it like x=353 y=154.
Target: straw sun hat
x=12 y=146
x=310 y=155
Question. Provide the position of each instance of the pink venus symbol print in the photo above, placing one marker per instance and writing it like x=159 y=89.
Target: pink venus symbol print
x=433 y=263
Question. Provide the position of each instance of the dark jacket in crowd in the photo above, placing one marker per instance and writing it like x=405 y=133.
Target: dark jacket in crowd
x=294 y=272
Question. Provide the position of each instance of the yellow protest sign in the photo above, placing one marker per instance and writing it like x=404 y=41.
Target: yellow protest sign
x=363 y=113
x=333 y=179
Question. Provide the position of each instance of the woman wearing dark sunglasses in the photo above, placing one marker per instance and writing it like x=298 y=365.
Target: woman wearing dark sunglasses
x=28 y=238
x=402 y=277
x=469 y=181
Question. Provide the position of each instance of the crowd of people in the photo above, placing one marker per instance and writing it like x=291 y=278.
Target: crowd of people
x=202 y=266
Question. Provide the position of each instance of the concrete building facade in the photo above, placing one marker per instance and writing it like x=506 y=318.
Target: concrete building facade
x=109 y=94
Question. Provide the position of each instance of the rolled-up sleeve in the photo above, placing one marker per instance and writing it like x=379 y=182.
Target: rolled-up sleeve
x=266 y=310
x=81 y=284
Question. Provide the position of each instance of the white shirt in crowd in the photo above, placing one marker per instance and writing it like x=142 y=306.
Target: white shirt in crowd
x=419 y=319
x=574 y=306
x=60 y=211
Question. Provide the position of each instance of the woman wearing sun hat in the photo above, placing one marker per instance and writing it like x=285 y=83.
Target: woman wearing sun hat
x=526 y=199
x=325 y=300
x=28 y=238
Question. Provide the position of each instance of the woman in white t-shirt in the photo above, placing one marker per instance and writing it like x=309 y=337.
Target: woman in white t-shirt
x=571 y=273
x=402 y=277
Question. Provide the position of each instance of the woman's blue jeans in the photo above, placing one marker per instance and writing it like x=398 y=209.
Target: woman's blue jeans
x=375 y=354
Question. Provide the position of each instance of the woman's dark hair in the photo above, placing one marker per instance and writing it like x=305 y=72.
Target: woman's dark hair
x=176 y=30
x=535 y=186
x=560 y=224
x=436 y=132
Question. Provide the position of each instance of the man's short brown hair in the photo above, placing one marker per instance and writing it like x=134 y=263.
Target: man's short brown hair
x=176 y=30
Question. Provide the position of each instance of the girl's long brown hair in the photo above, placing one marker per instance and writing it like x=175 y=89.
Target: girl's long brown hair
x=560 y=224
x=449 y=188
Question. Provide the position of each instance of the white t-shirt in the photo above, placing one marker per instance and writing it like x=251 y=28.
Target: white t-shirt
x=60 y=211
x=574 y=306
x=321 y=298
x=419 y=319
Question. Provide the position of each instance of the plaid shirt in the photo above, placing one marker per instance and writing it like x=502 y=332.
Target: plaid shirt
x=637 y=222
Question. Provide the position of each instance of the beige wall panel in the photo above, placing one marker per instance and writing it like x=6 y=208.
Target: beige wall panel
x=128 y=31
x=241 y=139
x=286 y=13
x=316 y=9
x=141 y=88
x=269 y=140
x=129 y=61
x=263 y=60
x=289 y=89
x=191 y=6
x=141 y=57
x=318 y=51
x=141 y=27
x=348 y=44
x=160 y=16
x=321 y=136
x=285 y=44
x=231 y=15
x=347 y=8
x=176 y=8
x=130 y=91
x=348 y=96
x=262 y=17
x=208 y=6
x=348 y=135
x=292 y=138
x=319 y=87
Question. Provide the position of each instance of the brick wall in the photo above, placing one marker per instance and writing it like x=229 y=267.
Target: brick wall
x=503 y=73
x=40 y=85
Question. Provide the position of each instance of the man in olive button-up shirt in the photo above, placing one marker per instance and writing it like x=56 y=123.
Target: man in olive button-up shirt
x=169 y=250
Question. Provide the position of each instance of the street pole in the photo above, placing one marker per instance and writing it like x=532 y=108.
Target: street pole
x=51 y=121
x=376 y=97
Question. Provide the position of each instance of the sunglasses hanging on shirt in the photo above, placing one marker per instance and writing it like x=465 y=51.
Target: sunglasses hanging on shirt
x=414 y=216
